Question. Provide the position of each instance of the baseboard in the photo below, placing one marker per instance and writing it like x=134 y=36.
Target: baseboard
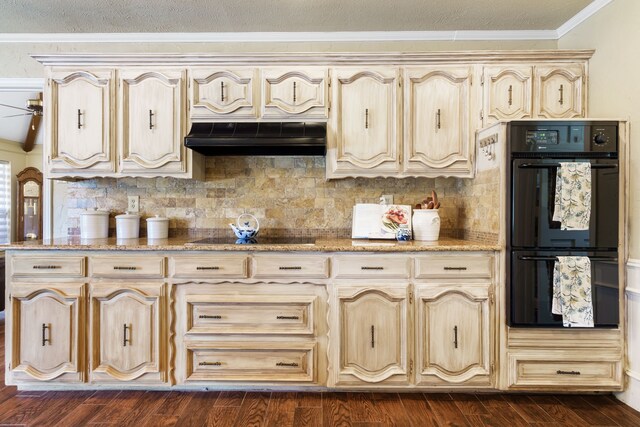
x=631 y=396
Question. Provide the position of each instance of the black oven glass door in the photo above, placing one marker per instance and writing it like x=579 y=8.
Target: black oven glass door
x=531 y=289
x=533 y=189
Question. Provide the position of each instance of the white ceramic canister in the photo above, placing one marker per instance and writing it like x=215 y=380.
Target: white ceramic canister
x=94 y=224
x=127 y=226
x=157 y=227
x=426 y=224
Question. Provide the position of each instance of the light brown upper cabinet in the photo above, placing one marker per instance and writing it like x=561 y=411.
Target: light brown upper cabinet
x=437 y=133
x=152 y=121
x=365 y=132
x=560 y=91
x=507 y=93
x=116 y=123
x=554 y=91
x=299 y=93
x=223 y=94
x=79 y=122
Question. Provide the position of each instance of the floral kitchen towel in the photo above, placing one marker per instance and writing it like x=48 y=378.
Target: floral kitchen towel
x=573 y=196
x=572 y=291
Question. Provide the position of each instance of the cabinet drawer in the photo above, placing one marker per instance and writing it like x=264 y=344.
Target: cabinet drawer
x=209 y=266
x=70 y=266
x=364 y=266
x=453 y=266
x=223 y=314
x=545 y=372
x=150 y=266
x=290 y=266
x=251 y=361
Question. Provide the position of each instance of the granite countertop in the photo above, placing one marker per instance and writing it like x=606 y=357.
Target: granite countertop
x=320 y=245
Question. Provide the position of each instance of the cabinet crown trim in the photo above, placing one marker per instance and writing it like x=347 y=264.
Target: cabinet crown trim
x=346 y=58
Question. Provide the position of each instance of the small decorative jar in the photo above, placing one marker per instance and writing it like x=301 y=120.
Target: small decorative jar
x=403 y=234
x=128 y=226
x=426 y=224
x=94 y=224
x=157 y=228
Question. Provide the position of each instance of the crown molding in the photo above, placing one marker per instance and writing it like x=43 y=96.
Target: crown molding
x=581 y=16
x=21 y=85
x=292 y=58
x=275 y=37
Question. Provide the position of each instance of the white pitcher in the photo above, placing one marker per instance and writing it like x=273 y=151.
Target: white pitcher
x=426 y=224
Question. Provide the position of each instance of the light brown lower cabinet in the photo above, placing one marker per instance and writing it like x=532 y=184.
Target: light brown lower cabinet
x=453 y=329
x=128 y=338
x=371 y=331
x=47 y=333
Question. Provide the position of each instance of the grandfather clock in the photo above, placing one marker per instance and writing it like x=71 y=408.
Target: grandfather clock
x=29 y=204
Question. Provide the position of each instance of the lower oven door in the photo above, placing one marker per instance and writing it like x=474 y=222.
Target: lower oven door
x=531 y=288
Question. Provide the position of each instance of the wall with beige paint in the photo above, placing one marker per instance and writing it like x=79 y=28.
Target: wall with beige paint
x=614 y=92
x=11 y=152
x=16 y=61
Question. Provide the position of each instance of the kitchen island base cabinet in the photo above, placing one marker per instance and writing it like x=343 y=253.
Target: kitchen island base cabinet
x=128 y=338
x=47 y=336
x=453 y=341
x=372 y=328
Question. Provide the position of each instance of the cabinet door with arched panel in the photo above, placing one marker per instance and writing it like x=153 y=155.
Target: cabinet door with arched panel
x=507 y=93
x=560 y=91
x=373 y=343
x=223 y=94
x=365 y=130
x=300 y=93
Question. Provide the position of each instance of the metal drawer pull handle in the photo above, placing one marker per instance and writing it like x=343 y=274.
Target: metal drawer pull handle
x=561 y=100
x=47 y=267
x=289 y=268
x=373 y=335
x=44 y=334
x=210 y=363
x=206 y=316
x=455 y=336
x=124 y=268
x=80 y=114
x=287 y=317
x=292 y=365
x=208 y=268
x=510 y=95
x=455 y=268
x=294 y=92
x=221 y=91
x=366 y=118
x=559 y=372
x=151 y=119
x=126 y=340
x=438 y=119
x=371 y=268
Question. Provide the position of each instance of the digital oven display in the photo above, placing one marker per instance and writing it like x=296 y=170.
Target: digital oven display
x=542 y=137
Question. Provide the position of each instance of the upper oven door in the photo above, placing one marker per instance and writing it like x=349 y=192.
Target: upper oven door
x=533 y=187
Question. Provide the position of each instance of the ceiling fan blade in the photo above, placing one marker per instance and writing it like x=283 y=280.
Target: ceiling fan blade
x=17 y=108
x=17 y=115
x=30 y=140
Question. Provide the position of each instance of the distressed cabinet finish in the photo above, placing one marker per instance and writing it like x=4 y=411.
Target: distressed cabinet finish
x=366 y=133
x=560 y=91
x=151 y=122
x=299 y=94
x=507 y=93
x=79 y=122
x=48 y=333
x=438 y=137
x=373 y=341
x=223 y=94
x=128 y=337
x=453 y=335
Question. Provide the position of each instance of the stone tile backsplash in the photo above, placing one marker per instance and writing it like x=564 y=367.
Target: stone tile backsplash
x=287 y=195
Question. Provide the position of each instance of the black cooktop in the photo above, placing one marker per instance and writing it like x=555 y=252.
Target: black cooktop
x=256 y=241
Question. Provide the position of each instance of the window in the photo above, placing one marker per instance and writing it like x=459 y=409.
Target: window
x=5 y=202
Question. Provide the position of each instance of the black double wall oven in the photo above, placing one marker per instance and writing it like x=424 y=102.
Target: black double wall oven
x=534 y=240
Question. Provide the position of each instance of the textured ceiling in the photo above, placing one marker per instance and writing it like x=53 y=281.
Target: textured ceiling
x=118 y=16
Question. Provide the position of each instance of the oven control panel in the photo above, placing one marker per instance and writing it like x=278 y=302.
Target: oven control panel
x=560 y=136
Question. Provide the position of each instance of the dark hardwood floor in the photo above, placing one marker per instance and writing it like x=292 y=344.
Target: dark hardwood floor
x=220 y=408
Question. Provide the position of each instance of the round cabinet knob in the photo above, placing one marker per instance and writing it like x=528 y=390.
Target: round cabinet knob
x=600 y=139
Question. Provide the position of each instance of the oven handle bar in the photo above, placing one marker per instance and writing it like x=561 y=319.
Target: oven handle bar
x=553 y=258
x=557 y=165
